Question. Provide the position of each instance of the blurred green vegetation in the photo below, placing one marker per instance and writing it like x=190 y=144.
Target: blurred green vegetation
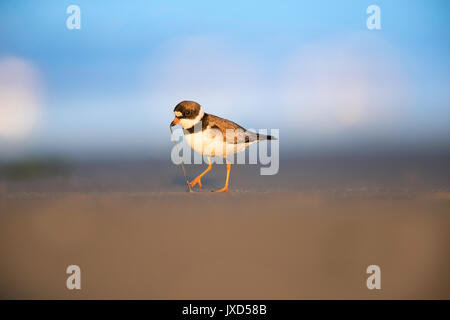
x=35 y=168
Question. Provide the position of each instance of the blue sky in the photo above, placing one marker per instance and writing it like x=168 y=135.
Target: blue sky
x=311 y=69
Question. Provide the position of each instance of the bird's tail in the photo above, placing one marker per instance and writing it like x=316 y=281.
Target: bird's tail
x=261 y=137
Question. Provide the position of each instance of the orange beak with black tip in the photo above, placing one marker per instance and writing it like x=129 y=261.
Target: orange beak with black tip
x=175 y=122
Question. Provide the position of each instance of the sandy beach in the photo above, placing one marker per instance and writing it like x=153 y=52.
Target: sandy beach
x=308 y=233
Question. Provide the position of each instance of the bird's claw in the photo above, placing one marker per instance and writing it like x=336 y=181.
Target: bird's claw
x=195 y=182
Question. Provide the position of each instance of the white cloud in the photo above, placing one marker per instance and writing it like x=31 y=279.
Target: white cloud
x=19 y=98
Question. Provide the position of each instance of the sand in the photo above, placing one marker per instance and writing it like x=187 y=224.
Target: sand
x=300 y=235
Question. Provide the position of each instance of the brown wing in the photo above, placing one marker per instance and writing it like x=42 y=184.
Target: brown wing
x=236 y=133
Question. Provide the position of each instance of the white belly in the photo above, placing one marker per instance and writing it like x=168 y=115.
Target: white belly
x=211 y=144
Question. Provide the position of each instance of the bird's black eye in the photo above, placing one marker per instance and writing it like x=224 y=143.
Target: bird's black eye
x=187 y=113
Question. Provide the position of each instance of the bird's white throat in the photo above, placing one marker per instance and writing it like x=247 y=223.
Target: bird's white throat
x=189 y=123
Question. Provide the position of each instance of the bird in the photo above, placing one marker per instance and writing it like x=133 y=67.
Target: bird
x=213 y=136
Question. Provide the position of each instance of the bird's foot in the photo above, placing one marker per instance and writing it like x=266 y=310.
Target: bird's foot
x=224 y=189
x=198 y=181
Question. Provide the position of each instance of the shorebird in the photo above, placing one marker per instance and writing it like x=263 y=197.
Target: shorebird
x=212 y=136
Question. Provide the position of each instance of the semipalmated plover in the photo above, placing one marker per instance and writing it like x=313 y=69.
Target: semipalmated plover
x=212 y=136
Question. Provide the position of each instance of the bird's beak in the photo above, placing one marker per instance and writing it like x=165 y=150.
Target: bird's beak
x=175 y=122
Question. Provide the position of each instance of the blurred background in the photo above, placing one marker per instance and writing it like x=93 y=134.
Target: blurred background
x=312 y=69
x=85 y=153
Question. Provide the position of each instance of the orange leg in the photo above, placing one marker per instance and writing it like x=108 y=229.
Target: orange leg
x=199 y=177
x=225 y=189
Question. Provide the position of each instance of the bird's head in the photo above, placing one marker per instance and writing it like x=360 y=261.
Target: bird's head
x=187 y=114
